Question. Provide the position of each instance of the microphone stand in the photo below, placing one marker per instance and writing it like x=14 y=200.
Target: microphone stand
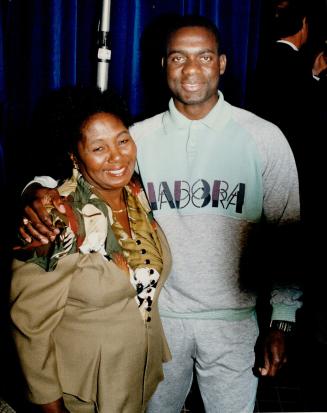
x=104 y=51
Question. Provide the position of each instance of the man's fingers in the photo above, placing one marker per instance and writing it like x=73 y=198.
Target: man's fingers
x=263 y=371
x=37 y=229
x=37 y=213
x=57 y=202
x=37 y=223
x=22 y=232
x=35 y=232
x=271 y=367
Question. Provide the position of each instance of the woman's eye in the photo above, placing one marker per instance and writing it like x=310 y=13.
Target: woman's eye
x=97 y=149
x=123 y=141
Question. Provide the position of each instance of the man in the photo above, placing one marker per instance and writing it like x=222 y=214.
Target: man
x=314 y=326
x=284 y=79
x=212 y=172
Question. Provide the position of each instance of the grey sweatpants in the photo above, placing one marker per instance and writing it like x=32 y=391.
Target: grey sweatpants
x=222 y=353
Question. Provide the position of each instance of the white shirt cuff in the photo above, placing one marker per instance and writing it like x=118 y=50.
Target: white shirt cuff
x=45 y=181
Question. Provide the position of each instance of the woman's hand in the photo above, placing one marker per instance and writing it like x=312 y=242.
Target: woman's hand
x=54 y=407
x=36 y=223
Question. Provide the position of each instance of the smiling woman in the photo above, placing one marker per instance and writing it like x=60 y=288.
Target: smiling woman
x=84 y=307
x=105 y=157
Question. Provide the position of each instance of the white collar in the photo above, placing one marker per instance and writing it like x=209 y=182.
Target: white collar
x=289 y=43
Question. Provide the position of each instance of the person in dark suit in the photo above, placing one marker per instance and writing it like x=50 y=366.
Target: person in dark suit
x=314 y=320
x=283 y=79
x=283 y=89
x=291 y=92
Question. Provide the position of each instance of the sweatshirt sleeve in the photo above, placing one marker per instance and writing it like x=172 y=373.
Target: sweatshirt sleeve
x=280 y=180
x=38 y=300
x=282 y=207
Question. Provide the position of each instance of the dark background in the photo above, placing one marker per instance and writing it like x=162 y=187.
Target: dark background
x=46 y=44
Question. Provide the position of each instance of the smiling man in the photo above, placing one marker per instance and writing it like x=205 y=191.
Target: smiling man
x=213 y=173
x=193 y=69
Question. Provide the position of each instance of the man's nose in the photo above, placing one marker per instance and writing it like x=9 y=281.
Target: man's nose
x=191 y=66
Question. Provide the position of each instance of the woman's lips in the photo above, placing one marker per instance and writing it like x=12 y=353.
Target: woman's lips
x=116 y=172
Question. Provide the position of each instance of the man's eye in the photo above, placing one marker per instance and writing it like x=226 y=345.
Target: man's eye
x=177 y=59
x=206 y=58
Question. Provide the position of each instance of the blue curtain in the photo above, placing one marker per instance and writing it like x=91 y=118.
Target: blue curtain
x=238 y=20
x=2 y=102
x=48 y=44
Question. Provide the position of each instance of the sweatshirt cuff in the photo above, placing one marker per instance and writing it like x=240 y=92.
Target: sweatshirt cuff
x=284 y=312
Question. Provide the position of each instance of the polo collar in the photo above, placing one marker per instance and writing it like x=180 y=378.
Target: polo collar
x=215 y=119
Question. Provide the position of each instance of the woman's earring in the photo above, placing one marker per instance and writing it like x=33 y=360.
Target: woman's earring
x=75 y=164
x=74 y=160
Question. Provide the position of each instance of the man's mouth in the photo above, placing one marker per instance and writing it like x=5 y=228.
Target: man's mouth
x=191 y=87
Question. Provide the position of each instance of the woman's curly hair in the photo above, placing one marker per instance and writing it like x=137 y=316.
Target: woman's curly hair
x=58 y=121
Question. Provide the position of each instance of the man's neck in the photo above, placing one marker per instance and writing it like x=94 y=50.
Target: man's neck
x=290 y=44
x=295 y=39
x=196 y=111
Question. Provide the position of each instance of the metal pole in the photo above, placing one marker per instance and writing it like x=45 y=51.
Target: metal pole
x=104 y=52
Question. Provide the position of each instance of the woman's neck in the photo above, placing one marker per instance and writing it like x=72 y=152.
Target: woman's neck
x=114 y=198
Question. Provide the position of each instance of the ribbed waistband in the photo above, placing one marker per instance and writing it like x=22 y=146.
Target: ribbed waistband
x=228 y=314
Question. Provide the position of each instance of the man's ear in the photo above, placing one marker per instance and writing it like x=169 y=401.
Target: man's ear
x=304 y=21
x=222 y=63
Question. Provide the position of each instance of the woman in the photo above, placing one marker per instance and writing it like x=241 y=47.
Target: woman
x=84 y=307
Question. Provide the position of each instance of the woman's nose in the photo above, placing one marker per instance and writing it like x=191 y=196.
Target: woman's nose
x=113 y=154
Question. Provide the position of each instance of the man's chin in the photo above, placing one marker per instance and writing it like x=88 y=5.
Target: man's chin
x=192 y=100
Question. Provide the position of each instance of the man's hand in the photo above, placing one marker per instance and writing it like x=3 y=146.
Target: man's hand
x=54 y=407
x=274 y=353
x=36 y=223
x=319 y=64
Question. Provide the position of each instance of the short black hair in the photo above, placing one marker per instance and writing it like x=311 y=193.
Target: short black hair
x=59 y=118
x=192 y=20
x=288 y=17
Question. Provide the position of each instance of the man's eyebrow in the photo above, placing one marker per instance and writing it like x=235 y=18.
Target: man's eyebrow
x=175 y=51
x=183 y=51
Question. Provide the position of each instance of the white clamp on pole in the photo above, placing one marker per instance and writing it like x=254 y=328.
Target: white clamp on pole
x=104 y=52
